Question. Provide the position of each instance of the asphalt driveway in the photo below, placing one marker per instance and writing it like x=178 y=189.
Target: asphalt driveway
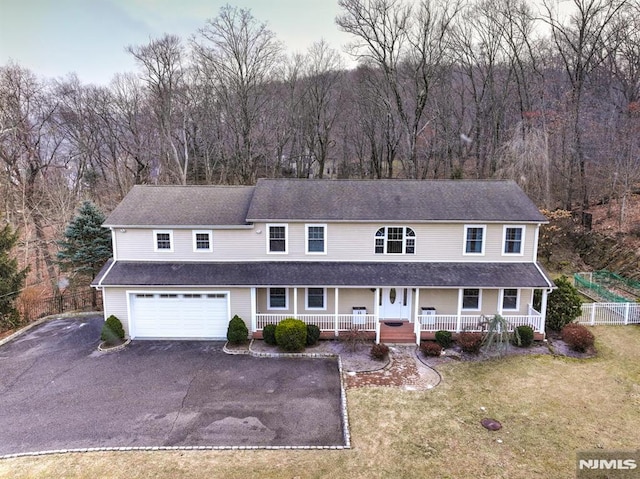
x=58 y=392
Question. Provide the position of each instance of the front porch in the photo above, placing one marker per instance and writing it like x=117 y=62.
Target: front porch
x=395 y=315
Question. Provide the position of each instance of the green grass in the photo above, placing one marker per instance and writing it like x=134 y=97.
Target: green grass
x=549 y=407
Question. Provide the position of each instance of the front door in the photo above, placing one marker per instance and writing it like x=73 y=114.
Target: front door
x=395 y=303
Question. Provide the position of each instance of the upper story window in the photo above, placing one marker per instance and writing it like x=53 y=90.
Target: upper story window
x=395 y=240
x=513 y=240
x=474 y=239
x=277 y=238
x=202 y=241
x=163 y=240
x=316 y=239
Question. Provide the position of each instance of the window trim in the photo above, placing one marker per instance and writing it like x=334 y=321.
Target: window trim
x=195 y=241
x=286 y=237
x=504 y=240
x=155 y=241
x=517 y=308
x=466 y=239
x=324 y=300
x=286 y=299
x=324 y=238
x=385 y=240
x=479 y=308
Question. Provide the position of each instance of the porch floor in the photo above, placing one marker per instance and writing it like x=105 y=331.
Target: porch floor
x=400 y=332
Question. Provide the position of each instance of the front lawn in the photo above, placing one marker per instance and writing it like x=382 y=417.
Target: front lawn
x=549 y=407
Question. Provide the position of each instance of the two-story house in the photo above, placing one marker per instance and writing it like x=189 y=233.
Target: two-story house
x=369 y=254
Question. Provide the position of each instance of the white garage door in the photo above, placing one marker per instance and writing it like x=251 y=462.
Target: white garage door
x=179 y=315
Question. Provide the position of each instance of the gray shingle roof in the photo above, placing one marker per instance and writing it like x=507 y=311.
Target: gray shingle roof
x=391 y=200
x=183 y=205
x=325 y=200
x=292 y=273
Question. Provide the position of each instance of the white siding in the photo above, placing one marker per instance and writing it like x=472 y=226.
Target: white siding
x=345 y=242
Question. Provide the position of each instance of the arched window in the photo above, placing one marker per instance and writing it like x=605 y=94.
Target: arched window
x=395 y=240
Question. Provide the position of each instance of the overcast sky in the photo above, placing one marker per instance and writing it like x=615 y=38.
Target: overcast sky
x=56 y=37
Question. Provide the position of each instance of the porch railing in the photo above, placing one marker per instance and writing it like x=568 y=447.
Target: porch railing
x=450 y=322
x=326 y=322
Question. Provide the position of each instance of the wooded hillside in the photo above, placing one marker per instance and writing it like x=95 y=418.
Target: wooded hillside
x=473 y=89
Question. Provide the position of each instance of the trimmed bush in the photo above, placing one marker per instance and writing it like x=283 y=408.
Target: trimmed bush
x=577 y=336
x=431 y=348
x=269 y=334
x=291 y=335
x=237 y=331
x=112 y=331
x=563 y=304
x=379 y=351
x=444 y=339
x=313 y=334
x=470 y=342
x=525 y=333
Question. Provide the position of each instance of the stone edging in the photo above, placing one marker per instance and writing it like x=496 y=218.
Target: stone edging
x=38 y=322
x=105 y=349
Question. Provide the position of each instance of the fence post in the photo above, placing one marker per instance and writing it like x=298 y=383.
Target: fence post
x=626 y=313
x=593 y=313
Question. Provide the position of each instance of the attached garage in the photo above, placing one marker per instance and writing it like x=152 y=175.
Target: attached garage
x=167 y=315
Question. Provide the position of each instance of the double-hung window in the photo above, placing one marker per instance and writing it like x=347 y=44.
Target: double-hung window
x=277 y=238
x=202 y=241
x=474 y=239
x=316 y=298
x=278 y=298
x=395 y=240
x=513 y=240
x=316 y=239
x=471 y=299
x=510 y=299
x=163 y=240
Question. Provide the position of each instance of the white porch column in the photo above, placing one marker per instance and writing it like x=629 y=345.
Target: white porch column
x=254 y=309
x=459 y=320
x=543 y=308
x=376 y=314
x=416 y=309
x=335 y=309
x=501 y=300
x=295 y=303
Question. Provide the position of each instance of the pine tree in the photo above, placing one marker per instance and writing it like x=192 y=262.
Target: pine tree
x=11 y=279
x=87 y=245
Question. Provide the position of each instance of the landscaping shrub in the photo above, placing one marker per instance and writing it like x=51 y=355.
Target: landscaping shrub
x=112 y=331
x=431 y=348
x=526 y=336
x=353 y=338
x=443 y=338
x=313 y=334
x=577 y=336
x=291 y=334
x=379 y=351
x=269 y=334
x=237 y=331
x=470 y=342
x=563 y=304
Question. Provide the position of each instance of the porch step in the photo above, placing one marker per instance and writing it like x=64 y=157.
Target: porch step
x=397 y=334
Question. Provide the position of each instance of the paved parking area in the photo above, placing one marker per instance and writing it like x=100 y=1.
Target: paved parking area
x=58 y=392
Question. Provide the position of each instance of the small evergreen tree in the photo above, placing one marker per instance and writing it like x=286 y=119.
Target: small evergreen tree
x=11 y=279
x=563 y=304
x=86 y=245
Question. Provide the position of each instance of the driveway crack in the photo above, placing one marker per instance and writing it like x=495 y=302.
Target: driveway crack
x=184 y=398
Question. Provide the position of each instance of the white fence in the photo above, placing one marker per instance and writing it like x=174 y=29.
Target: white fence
x=610 y=314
